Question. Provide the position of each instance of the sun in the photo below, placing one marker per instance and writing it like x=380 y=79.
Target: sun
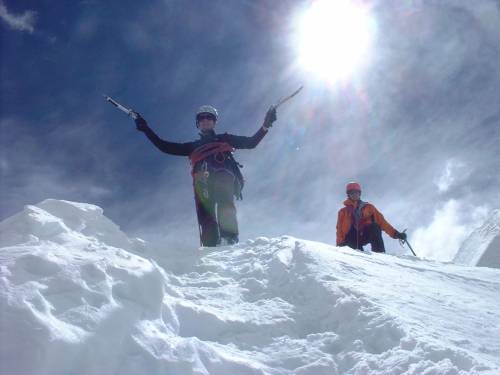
x=334 y=38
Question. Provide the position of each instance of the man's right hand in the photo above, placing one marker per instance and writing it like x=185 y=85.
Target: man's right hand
x=140 y=123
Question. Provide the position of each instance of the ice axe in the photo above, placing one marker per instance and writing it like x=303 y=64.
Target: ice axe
x=403 y=242
x=129 y=112
x=287 y=98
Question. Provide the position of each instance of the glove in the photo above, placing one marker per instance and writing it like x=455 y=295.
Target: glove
x=270 y=117
x=140 y=123
x=400 y=236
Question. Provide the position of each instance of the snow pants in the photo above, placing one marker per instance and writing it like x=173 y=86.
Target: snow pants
x=215 y=208
x=371 y=234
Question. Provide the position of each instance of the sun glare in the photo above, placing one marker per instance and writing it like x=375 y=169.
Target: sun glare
x=334 y=38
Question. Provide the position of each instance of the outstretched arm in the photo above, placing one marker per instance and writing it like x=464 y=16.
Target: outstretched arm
x=182 y=149
x=238 y=141
x=384 y=224
x=386 y=227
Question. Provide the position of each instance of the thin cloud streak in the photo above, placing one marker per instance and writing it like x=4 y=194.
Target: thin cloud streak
x=23 y=22
x=454 y=172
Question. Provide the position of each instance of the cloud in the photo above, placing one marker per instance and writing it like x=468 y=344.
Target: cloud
x=31 y=172
x=454 y=170
x=487 y=13
x=450 y=226
x=23 y=22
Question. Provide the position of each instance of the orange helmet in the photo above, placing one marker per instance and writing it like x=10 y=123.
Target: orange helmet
x=352 y=186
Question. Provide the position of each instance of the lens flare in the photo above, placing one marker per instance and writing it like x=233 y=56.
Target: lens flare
x=334 y=38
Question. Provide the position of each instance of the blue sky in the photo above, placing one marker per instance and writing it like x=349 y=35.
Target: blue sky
x=418 y=126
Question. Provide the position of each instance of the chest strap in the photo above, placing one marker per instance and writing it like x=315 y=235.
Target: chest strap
x=208 y=149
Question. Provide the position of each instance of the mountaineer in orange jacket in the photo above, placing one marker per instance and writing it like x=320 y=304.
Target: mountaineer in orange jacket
x=360 y=223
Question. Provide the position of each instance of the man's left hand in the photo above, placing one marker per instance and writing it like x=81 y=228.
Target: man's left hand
x=270 y=117
x=400 y=236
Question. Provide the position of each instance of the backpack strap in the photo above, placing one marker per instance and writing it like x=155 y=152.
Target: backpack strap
x=356 y=213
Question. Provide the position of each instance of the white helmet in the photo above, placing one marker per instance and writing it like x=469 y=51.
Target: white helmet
x=207 y=109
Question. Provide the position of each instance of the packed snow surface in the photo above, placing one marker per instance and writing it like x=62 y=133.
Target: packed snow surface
x=482 y=247
x=79 y=297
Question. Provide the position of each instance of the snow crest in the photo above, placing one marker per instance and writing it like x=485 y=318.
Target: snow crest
x=77 y=296
x=482 y=247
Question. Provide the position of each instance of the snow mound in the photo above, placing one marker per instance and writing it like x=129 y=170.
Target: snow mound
x=482 y=247
x=64 y=222
x=74 y=302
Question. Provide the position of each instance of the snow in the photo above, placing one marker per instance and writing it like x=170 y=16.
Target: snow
x=78 y=296
x=482 y=247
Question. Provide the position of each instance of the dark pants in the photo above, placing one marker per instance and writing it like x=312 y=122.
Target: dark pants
x=371 y=234
x=216 y=209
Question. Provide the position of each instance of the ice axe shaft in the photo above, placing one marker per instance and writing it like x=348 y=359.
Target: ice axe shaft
x=287 y=98
x=128 y=111
x=406 y=242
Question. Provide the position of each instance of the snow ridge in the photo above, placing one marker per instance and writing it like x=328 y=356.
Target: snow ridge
x=482 y=247
x=77 y=296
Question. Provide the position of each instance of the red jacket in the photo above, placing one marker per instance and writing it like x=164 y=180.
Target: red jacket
x=368 y=215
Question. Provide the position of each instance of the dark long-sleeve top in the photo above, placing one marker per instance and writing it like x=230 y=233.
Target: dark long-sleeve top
x=185 y=149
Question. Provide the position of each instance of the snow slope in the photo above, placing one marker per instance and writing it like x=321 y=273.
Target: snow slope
x=79 y=297
x=482 y=247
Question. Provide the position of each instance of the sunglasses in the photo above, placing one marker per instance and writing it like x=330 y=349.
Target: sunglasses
x=205 y=116
x=353 y=191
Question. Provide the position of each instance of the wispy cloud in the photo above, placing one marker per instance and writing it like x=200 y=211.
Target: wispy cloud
x=23 y=22
x=453 y=171
x=30 y=177
x=451 y=225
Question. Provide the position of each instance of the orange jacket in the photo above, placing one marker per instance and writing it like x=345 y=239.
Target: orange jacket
x=368 y=214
